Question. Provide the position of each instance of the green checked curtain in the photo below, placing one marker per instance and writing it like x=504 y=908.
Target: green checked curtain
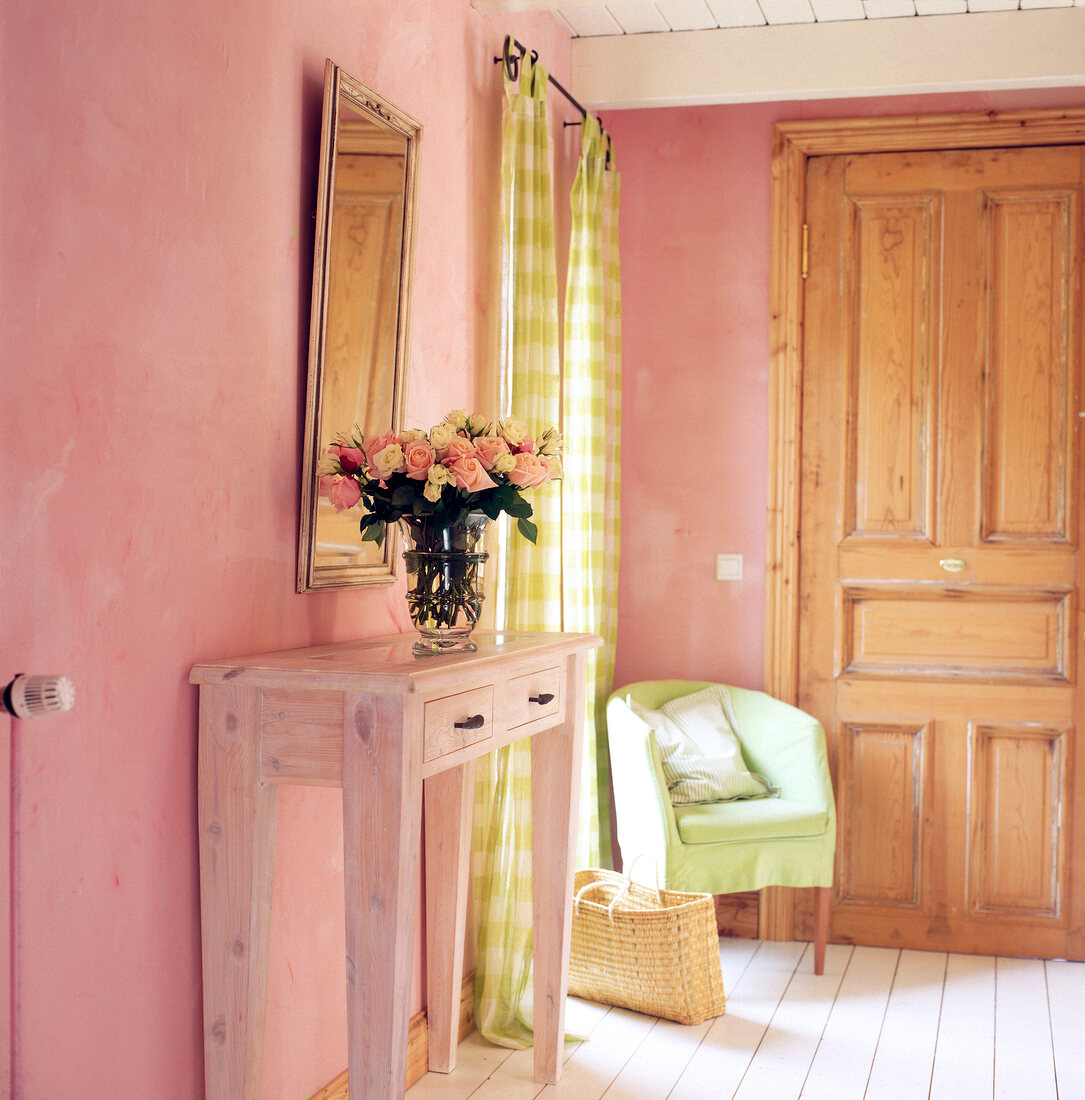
x=529 y=577
x=591 y=407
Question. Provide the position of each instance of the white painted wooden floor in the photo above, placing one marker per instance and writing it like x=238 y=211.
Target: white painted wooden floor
x=880 y=1024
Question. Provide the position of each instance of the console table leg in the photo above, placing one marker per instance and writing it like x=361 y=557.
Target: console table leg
x=555 y=800
x=382 y=820
x=449 y=803
x=236 y=814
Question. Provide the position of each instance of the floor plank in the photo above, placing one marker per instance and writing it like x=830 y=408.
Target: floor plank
x=842 y=1063
x=1066 y=1001
x=476 y=1061
x=964 y=1055
x=717 y=1067
x=514 y=1078
x=594 y=1064
x=785 y=1053
x=1024 y=1058
x=904 y=1060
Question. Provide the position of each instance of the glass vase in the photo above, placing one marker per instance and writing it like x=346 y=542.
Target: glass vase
x=444 y=581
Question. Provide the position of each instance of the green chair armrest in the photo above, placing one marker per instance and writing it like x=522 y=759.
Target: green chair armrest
x=646 y=824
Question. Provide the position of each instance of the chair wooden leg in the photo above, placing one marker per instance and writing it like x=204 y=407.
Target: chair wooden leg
x=821 y=926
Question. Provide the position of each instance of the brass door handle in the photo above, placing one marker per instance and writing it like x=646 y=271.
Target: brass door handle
x=953 y=565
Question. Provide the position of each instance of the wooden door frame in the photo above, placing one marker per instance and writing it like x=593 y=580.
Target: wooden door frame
x=793 y=144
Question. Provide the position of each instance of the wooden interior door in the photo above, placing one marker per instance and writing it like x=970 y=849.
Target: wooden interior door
x=938 y=564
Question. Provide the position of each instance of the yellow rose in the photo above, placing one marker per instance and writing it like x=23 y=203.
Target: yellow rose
x=457 y=418
x=411 y=435
x=440 y=437
x=550 y=443
x=388 y=461
x=504 y=462
x=436 y=480
x=512 y=431
x=477 y=424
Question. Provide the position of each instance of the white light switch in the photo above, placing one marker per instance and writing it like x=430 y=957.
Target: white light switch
x=728 y=567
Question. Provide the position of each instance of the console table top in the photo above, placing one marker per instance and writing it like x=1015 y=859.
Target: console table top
x=382 y=664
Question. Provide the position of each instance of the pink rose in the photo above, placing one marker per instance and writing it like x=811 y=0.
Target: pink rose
x=419 y=457
x=488 y=448
x=530 y=471
x=527 y=446
x=458 y=447
x=342 y=492
x=375 y=444
x=350 y=458
x=470 y=475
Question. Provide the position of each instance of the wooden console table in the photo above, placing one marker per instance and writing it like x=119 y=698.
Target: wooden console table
x=386 y=726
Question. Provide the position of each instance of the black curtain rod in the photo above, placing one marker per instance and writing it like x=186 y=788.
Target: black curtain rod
x=512 y=67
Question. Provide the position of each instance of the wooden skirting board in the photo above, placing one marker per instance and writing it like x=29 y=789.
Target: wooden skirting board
x=417 y=1045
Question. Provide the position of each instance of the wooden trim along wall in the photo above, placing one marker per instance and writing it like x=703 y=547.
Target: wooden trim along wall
x=417 y=1045
x=793 y=144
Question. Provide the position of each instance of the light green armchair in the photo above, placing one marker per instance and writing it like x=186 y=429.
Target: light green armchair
x=728 y=847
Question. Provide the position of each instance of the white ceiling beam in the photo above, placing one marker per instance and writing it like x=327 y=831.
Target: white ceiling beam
x=977 y=52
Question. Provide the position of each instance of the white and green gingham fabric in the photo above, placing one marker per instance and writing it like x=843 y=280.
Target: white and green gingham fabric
x=529 y=577
x=591 y=409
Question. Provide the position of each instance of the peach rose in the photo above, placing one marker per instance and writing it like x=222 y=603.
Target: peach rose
x=531 y=471
x=418 y=457
x=470 y=475
x=458 y=447
x=489 y=447
x=342 y=492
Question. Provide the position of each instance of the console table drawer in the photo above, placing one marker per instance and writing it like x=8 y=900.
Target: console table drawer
x=534 y=695
x=456 y=721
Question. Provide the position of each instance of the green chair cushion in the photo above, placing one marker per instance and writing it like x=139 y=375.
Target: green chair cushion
x=762 y=819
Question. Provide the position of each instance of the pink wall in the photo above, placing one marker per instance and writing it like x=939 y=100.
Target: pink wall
x=695 y=284
x=159 y=169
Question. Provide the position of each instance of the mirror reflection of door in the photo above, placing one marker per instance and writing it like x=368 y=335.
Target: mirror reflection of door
x=365 y=251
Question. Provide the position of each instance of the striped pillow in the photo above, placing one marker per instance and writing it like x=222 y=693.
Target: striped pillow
x=700 y=751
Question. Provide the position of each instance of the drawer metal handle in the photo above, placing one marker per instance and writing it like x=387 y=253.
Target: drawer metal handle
x=953 y=565
x=473 y=723
x=542 y=698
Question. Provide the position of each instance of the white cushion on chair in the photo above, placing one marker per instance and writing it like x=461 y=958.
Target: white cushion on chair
x=700 y=750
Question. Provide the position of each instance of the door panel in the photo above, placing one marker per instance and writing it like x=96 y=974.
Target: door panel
x=882 y=771
x=1027 y=428
x=1017 y=851
x=938 y=564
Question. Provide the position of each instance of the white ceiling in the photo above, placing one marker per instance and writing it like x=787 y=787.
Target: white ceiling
x=655 y=53
x=595 y=18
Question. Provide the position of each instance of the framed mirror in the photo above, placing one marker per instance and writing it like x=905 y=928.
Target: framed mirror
x=360 y=314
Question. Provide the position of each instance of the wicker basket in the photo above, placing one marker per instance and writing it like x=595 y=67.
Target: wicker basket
x=654 y=951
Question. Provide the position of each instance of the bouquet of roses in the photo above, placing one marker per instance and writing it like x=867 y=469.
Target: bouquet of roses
x=465 y=464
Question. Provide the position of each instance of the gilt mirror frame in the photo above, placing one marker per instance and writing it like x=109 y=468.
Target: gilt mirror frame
x=349 y=562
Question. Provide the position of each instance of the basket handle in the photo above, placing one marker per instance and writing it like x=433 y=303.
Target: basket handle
x=627 y=881
x=629 y=876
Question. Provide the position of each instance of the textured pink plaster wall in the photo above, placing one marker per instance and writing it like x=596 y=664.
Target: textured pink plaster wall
x=159 y=171
x=695 y=284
